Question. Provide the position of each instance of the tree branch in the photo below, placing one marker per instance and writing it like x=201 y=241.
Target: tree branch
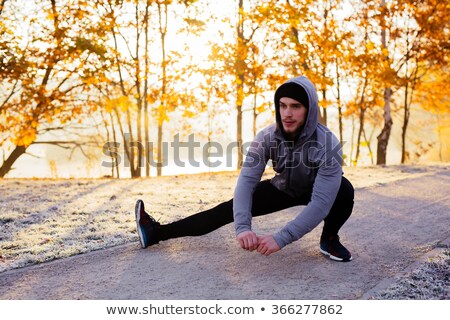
x=9 y=96
x=61 y=143
x=2 y=5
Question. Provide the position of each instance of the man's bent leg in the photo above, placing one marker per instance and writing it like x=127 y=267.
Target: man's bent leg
x=268 y=199
x=330 y=244
x=341 y=209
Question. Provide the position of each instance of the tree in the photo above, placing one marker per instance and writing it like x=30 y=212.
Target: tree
x=241 y=61
x=425 y=46
x=145 y=86
x=168 y=96
x=47 y=80
x=126 y=93
x=414 y=34
x=366 y=72
x=310 y=41
x=383 y=137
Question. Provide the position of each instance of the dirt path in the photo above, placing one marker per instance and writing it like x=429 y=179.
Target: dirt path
x=392 y=226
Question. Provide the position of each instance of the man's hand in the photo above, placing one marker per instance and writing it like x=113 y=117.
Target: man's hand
x=248 y=240
x=267 y=245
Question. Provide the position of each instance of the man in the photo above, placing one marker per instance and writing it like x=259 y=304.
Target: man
x=307 y=159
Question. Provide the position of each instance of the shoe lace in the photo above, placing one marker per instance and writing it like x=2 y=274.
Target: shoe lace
x=153 y=219
x=148 y=218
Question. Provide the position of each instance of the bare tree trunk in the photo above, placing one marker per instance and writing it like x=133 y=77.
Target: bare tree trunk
x=352 y=142
x=147 y=139
x=7 y=164
x=146 y=117
x=339 y=102
x=323 y=117
x=126 y=146
x=361 y=129
x=108 y=137
x=255 y=115
x=210 y=121
x=383 y=137
x=362 y=112
x=438 y=118
x=161 y=114
x=115 y=143
x=138 y=97
x=405 y=124
x=2 y=5
x=240 y=78
x=368 y=145
x=239 y=136
x=130 y=145
x=159 y=164
x=409 y=92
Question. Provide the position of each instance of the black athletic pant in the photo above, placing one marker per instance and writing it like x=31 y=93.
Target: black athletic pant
x=266 y=199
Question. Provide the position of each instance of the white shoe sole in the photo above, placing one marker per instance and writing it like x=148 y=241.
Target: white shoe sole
x=137 y=211
x=333 y=257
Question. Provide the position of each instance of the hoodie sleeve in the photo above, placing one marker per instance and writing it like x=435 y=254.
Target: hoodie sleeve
x=325 y=189
x=251 y=173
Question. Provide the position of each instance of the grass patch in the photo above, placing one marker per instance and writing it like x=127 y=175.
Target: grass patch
x=431 y=281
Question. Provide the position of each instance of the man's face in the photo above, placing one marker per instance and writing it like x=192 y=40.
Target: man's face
x=293 y=116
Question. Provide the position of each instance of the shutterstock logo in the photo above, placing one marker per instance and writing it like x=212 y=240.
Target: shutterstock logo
x=214 y=154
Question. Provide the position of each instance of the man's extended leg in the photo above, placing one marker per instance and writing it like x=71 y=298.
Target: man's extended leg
x=339 y=213
x=266 y=199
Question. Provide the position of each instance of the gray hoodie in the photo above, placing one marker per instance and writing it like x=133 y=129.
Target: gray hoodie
x=311 y=164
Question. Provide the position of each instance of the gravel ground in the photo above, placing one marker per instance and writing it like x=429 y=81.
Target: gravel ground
x=44 y=219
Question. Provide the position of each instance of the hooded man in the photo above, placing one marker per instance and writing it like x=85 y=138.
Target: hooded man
x=307 y=159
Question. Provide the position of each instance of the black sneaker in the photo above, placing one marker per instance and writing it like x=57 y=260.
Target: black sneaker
x=146 y=226
x=335 y=250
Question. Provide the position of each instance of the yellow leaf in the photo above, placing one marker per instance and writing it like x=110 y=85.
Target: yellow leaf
x=370 y=46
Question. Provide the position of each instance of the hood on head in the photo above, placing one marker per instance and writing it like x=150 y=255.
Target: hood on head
x=305 y=86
